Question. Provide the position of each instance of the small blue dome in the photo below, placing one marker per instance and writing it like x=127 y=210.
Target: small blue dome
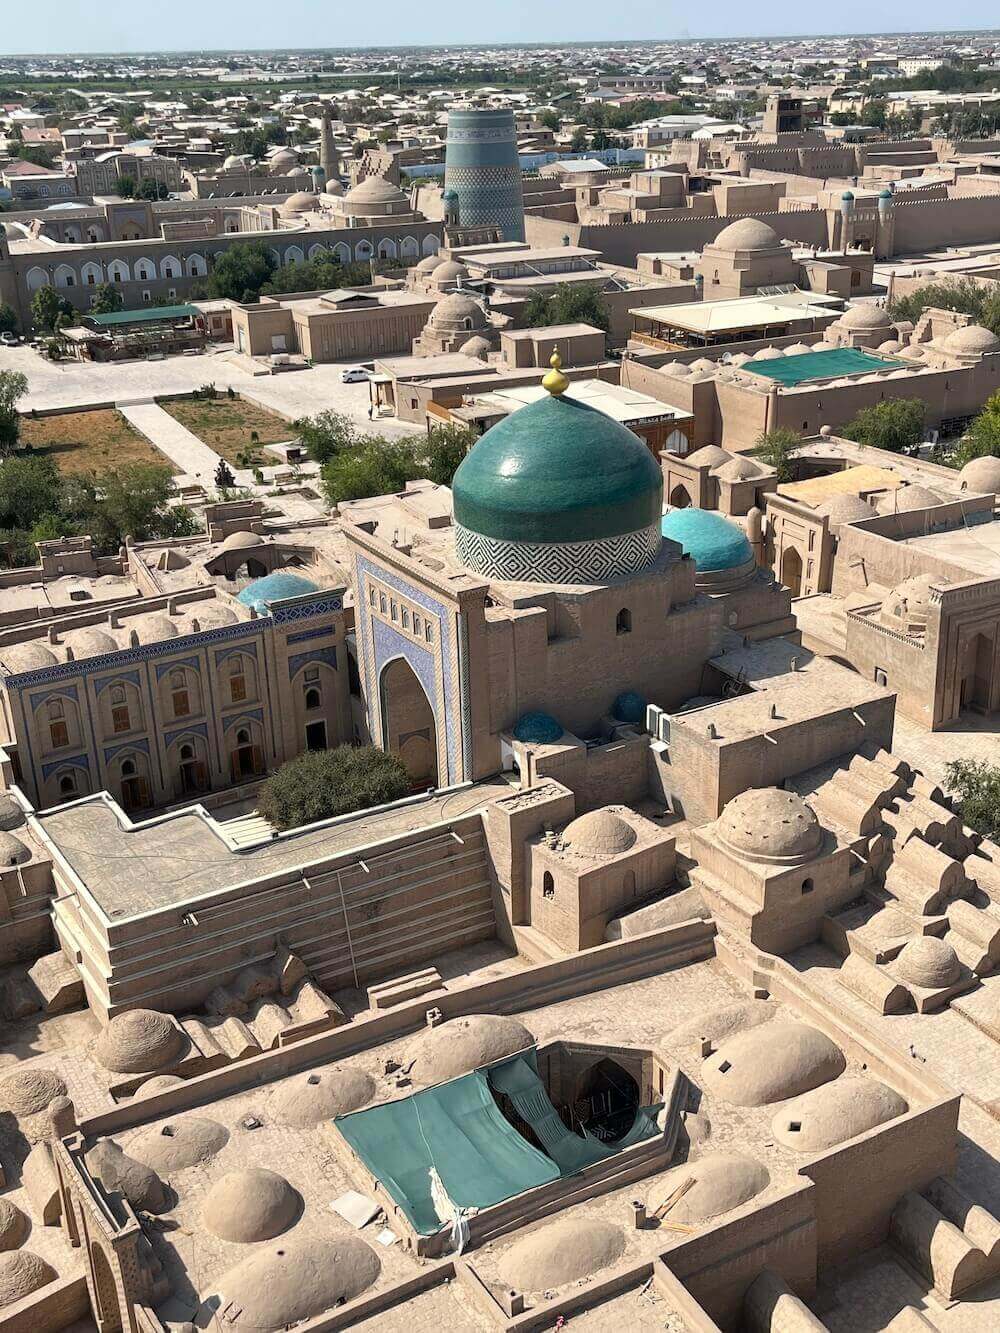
x=274 y=588
x=886 y=194
x=537 y=729
x=629 y=707
x=847 y=196
x=711 y=540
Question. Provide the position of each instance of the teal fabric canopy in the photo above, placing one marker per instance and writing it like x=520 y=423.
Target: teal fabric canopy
x=457 y=1130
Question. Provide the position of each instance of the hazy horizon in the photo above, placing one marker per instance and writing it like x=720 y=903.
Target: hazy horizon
x=118 y=28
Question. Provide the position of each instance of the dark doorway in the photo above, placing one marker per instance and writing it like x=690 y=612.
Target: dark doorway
x=607 y=1101
x=315 y=735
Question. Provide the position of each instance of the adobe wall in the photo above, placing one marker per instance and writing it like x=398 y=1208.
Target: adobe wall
x=619 y=244
x=718 y=1267
x=956 y=221
x=875 y=551
x=50 y=1309
x=860 y=1183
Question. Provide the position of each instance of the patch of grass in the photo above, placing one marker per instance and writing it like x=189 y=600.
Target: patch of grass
x=226 y=424
x=90 y=441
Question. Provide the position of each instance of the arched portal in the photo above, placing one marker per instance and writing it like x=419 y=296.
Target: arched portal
x=679 y=498
x=408 y=727
x=791 y=570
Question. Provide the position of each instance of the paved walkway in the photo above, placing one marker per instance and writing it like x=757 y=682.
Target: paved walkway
x=188 y=454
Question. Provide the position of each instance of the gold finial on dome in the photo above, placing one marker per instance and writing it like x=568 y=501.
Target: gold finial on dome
x=555 y=381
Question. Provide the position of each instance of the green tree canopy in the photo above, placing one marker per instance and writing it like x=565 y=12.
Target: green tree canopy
x=976 y=784
x=326 y=434
x=13 y=387
x=896 y=425
x=776 y=447
x=568 y=304
x=128 y=501
x=321 y=784
x=151 y=189
x=107 y=299
x=30 y=488
x=963 y=295
x=374 y=466
x=48 y=308
x=240 y=272
x=9 y=322
x=982 y=439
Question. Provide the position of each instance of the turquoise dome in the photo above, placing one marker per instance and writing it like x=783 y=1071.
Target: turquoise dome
x=537 y=729
x=274 y=588
x=711 y=540
x=557 y=471
x=629 y=707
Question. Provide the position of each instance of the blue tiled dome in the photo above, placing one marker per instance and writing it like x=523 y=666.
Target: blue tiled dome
x=711 y=540
x=274 y=588
x=629 y=707
x=537 y=729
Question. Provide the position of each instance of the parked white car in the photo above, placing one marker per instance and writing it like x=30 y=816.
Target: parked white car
x=355 y=375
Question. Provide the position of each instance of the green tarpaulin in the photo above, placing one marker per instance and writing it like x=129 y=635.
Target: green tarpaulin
x=457 y=1130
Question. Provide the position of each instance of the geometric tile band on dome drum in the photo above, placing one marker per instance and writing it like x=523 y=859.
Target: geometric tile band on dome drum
x=559 y=562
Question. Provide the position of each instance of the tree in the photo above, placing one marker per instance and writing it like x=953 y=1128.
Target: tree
x=151 y=189
x=977 y=787
x=326 y=434
x=13 y=387
x=126 y=187
x=965 y=295
x=29 y=489
x=374 y=466
x=447 y=445
x=128 y=501
x=983 y=436
x=224 y=478
x=601 y=140
x=47 y=306
x=240 y=272
x=107 y=299
x=8 y=318
x=576 y=304
x=775 y=448
x=578 y=143
x=550 y=119
x=321 y=784
x=896 y=425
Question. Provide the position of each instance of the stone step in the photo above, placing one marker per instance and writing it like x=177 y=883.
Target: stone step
x=384 y=994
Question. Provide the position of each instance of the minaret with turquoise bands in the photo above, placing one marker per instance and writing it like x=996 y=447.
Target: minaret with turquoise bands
x=481 y=165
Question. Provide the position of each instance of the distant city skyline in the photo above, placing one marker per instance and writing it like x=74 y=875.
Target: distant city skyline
x=117 y=27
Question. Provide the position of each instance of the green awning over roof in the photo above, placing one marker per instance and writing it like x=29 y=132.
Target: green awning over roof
x=147 y=315
x=829 y=364
x=457 y=1131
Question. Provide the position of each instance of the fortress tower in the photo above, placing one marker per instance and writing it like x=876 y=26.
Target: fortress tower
x=481 y=166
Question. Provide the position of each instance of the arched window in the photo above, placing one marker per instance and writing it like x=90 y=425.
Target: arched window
x=237 y=680
x=128 y=768
x=120 y=717
x=179 y=696
x=67 y=784
x=623 y=623
x=58 y=730
x=187 y=751
x=548 y=885
x=312 y=697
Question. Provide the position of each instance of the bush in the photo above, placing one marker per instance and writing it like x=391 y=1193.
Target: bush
x=976 y=784
x=896 y=425
x=321 y=784
x=982 y=439
x=775 y=449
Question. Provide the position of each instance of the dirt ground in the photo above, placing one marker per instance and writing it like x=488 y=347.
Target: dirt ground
x=91 y=441
x=226 y=424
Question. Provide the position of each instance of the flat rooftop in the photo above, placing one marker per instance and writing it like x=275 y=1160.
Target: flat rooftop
x=833 y=363
x=130 y=869
x=625 y=405
x=863 y=479
x=742 y=312
x=977 y=548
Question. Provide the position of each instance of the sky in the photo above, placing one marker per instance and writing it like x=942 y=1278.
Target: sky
x=81 y=26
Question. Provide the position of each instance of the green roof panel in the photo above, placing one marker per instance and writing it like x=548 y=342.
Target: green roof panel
x=147 y=315
x=832 y=363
